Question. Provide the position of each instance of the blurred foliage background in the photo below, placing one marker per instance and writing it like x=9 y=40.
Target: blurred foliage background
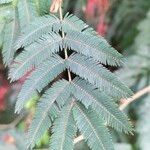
x=124 y=23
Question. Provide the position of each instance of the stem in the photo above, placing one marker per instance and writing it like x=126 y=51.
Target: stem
x=134 y=97
x=65 y=49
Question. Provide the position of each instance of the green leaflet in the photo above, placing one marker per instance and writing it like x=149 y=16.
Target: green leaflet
x=34 y=55
x=10 y=35
x=45 y=110
x=92 y=128
x=45 y=24
x=43 y=75
x=102 y=104
x=63 y=130
x=92 y=46
x=97 y=75
x=27 y=12
x=36 y=29
x=71 y=22
x=2 y=26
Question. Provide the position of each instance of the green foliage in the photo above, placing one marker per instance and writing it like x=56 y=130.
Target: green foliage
x=64 y=130
x=27 y=12
x=92 y=128
x=5 y=1
x=88 y=101
x=138 y=76
x=101 y=103
x=40 y=78
x=124 y=17
x=11 y=31
x=42 y=6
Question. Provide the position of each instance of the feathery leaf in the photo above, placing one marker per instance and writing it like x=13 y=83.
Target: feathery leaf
x=36 y=29
x=43 y=75
x=102 y=104
x=11 y=31
x=97 y=75
x=34 y=55
x=92 y=46
x=93 y=129
x=71 y=22
x=45 y=109
x=27 y=12
x=63 y=130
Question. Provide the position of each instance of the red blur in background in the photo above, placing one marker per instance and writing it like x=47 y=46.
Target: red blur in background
x=99 y=7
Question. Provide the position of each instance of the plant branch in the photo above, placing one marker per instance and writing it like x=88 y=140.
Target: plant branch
x=125 y=103
x=140 y=93
x=63 y=35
